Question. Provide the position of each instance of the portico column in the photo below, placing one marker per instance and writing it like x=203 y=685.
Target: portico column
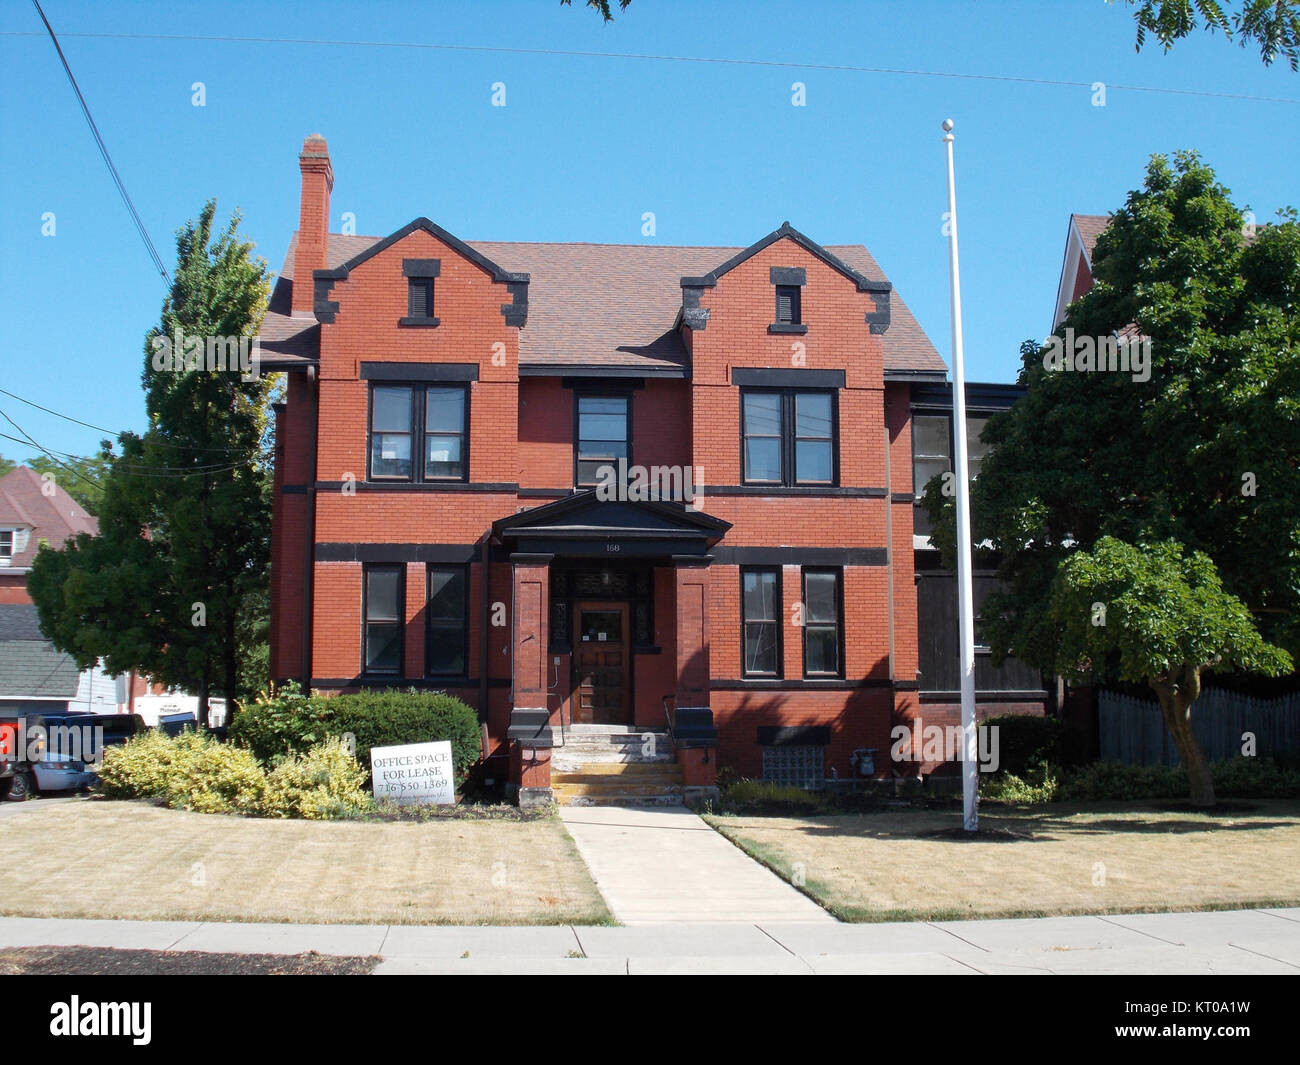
x=691 y=574
x=695 y=738
x=530 y=730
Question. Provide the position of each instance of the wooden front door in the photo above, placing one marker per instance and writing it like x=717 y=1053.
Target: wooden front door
x=602 y=688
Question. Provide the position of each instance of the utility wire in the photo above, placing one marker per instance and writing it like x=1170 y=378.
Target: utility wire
x=166 y=473
x=103 y=150
x=227 y=39
x=114 y=432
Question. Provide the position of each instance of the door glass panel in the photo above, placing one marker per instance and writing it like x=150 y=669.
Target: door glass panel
x=601 y=626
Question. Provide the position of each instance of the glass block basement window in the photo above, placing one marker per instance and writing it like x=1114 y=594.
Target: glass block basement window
x=798 y=766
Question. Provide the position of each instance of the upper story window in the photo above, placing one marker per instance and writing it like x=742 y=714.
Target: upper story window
x=932 y=454
x=419 y=297
x=788 y=437
x=6 y=543
x=788 y=310
x=418 y=432
x=420 y=274
x=603 y=436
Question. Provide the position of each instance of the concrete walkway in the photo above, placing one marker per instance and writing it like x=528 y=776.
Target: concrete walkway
x=660 y=865
x=1226 y=942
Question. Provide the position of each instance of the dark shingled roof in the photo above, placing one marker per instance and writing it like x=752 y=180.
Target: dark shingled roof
x=34 y=669
x=625 y=320
x=18 y=621
x=1090 y=227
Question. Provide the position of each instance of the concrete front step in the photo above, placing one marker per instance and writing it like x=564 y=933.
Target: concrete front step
x=621 y=800
x=608 y=765
x=609 y=772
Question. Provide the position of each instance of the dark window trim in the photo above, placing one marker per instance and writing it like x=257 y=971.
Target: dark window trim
x=400 y=569
x=780 y=625
x=838 y=573
x=579 y=394
x=429 y=571
x=788 y=438
x=418 y=391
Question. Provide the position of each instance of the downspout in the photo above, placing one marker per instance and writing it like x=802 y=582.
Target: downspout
x=309 y=538
x=484 y=608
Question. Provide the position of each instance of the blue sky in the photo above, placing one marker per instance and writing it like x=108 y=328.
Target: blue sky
x=585 y=145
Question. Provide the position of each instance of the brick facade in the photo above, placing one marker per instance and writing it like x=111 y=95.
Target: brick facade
x=683 y=636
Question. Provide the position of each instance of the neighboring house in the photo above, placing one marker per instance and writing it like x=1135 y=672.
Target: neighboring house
x=1076 y=270
x=437 y=522
x=34 y=511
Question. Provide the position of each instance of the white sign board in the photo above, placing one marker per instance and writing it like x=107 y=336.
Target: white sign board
x=414 y=773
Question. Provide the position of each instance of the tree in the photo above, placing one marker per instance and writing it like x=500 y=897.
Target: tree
x=6 y=465
x=81 y=477
x=1201 y=446
x=1272 y=24
x=602 y=6
x=173 y=583
x=1148 y=614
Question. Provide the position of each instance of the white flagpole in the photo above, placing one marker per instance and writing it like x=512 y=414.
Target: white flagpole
x=965 y=591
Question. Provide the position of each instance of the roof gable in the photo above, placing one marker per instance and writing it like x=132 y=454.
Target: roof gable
x=584 y=516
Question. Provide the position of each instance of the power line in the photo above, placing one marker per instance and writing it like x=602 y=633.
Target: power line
x=786 y=64
x=115 y=432
x=103 y=150
x=159 y=472
x=76 y=473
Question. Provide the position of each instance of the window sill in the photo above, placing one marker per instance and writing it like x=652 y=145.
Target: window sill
x=430 y=322
x=787 y=329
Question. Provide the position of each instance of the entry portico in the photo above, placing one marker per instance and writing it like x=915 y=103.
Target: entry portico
x=609 y=624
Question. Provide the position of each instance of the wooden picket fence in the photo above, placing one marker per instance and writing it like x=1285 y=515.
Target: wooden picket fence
x=1132 y=731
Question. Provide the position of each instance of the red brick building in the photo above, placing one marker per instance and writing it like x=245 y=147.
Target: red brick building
x=458 y=504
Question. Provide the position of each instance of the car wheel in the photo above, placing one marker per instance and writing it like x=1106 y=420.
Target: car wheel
x=21 y=788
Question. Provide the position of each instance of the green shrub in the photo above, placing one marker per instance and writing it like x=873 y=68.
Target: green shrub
x=392 y=718
x=1107 y=781
x=1255 y=778
x=280 y=722
x=763 y=794
x=1037 y=786
x=325 y=783
x=1026 y=743
x=144 y=766
x=217 y=778
x=287 y=722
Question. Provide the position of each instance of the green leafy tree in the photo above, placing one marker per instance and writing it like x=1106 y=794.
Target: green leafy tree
x=1148 y=614
x=6 y=465
x=1273 y=25
x=173 y=585
x=81 y=477
x=1201 y=448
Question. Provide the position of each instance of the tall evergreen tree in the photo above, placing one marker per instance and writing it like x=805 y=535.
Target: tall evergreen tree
x=173 y=583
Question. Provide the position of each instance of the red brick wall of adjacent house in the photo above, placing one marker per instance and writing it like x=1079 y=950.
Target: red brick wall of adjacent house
x=13 y=588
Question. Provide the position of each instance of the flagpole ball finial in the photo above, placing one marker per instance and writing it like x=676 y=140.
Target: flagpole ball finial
x=947 y=125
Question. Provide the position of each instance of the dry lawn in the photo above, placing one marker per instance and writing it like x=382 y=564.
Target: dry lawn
x=917 y=865
x=134 y=860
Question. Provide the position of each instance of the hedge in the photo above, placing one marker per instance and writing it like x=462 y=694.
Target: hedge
x=287 y=722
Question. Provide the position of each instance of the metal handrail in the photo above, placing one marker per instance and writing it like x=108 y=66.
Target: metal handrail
x=672 y=743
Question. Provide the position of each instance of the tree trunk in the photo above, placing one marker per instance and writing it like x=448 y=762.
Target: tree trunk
x=1177 y=694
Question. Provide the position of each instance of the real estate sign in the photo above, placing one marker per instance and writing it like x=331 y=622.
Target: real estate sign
x=418 y=773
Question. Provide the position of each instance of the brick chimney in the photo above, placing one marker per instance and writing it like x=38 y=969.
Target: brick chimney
x=313 y=220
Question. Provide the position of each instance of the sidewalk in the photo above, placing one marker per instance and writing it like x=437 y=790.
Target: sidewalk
x=665 y=865
x=1230 y=941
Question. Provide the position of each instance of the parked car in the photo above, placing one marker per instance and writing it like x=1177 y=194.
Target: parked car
x=61 y=756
